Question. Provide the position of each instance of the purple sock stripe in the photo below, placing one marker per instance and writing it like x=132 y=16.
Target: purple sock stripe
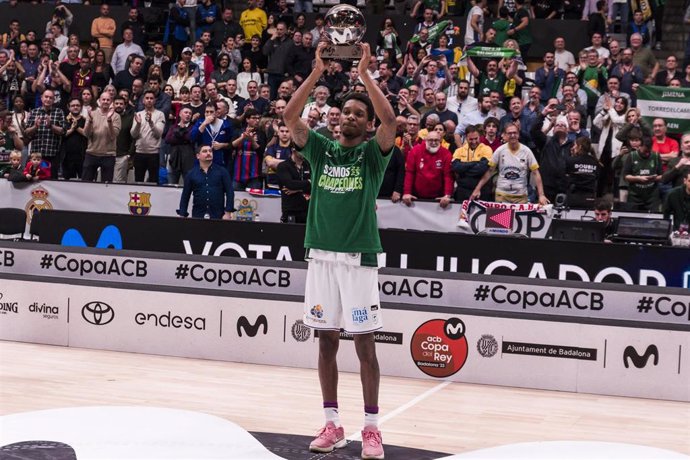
x=371 y=409
x=330 y=404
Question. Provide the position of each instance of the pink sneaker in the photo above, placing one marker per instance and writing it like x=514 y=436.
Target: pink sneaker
x=328 y=438
x=372 y=447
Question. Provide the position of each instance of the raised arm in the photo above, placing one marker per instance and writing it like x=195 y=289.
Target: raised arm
x=472 y=67
x=293 y=110
x=385 y=134
x=512 y=69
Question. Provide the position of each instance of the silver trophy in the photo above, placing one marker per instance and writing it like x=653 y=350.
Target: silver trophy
x=344 y=28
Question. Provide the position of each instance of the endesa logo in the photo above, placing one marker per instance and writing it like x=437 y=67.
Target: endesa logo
x=169 y=321
x=439 y=347
x=97 y=313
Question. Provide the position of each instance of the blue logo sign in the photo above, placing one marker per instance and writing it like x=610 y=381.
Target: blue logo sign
x=110 y=238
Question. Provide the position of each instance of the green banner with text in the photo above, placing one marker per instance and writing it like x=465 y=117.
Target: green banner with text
x=671 y=104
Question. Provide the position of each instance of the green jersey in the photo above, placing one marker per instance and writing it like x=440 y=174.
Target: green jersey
x=637 y=165
x=523 y=36
x=345 y=183
x=486 y=84
x=593 y=81
x=501 y=26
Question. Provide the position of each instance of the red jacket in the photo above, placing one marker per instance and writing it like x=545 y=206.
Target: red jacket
x=42 y=172
x=208 y=70
x=428 y=175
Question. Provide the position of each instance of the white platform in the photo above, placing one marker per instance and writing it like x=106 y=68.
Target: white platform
x=108 y=432
x=569 y=450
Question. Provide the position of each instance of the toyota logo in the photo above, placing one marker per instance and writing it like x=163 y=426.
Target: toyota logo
x=97 y=313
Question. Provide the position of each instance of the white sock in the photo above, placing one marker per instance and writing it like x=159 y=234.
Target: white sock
x=332 y=415
x=371 y=419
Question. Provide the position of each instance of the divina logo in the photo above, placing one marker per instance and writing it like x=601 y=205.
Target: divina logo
x=97 y=313
x=251 y=330
x=110 y=238
x=630 y=354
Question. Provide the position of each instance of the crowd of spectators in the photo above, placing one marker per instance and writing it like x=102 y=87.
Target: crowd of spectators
x=470 y=125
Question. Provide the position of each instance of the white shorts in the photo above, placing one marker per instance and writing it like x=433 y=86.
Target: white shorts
x=341 y=294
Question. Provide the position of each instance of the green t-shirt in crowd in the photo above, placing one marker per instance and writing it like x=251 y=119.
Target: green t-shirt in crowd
x=486 y=84
x=433 y=4
x=523 y=36
x=593 y=81
x=637 y=165
x=501 y=26
x=345 y=184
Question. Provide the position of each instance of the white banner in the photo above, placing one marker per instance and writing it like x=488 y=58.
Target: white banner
x=142 y=200
x=506 y=295
x=471 y=348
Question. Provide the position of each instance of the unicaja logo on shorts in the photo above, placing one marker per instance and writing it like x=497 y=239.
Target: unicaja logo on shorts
x=439 y=347
x=316 y=311
x=97 y=313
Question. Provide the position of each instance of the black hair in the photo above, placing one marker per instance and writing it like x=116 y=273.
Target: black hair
x=493 y=120
x=471 y=129
x=364 y=99
x=603 y=204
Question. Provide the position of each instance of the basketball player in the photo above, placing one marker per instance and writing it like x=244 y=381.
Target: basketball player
x=342 y=242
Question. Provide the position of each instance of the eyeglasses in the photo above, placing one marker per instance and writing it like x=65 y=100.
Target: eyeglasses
x=512 y=134
x=433 y=141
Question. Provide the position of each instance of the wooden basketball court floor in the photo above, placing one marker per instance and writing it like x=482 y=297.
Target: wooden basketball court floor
x=424 y=414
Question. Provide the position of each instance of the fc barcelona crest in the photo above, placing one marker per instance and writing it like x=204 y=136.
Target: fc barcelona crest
x=139 y=203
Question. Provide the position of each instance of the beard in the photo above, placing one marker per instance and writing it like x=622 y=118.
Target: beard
x=432 y=149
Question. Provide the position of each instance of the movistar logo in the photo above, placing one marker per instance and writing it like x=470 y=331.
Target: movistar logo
x=110 y=238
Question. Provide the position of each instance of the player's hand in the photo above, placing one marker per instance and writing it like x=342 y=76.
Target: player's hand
x=444 y=201
x=543 y=200
x=319 y=66
x=364 y=60
x=408 y=199
x=395 y=197
x=475 y=195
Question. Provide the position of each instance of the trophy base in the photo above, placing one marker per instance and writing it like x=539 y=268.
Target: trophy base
x=346 y=52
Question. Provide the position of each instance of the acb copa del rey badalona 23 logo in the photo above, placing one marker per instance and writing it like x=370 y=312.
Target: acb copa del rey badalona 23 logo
x=439 y=347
